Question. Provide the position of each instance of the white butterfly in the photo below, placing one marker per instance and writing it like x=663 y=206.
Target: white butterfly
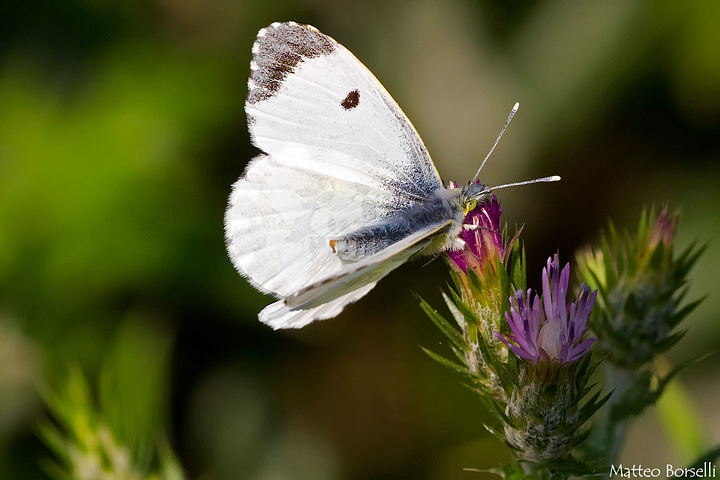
x=344 y=191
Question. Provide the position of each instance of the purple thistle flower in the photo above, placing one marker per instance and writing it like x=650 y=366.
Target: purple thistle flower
x=481 y=234
x=548 y=329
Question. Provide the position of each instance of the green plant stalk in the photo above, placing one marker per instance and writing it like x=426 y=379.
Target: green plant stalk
x=608 y=433
x=682 y=423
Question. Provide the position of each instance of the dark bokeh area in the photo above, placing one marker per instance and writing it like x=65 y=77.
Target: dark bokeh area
x=122 y=128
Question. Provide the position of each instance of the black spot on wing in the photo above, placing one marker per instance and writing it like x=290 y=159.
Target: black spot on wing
x=277 y=52
x=351 y=101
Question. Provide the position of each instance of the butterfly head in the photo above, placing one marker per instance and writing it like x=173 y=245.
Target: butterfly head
x=475 y=192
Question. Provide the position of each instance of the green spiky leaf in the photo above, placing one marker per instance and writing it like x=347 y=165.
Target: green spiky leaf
x=450 y=332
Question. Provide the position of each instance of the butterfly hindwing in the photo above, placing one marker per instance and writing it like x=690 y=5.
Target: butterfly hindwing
x=347 y=285
x=278 y=315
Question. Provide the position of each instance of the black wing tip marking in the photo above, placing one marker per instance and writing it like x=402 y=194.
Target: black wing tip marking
x=278 y=50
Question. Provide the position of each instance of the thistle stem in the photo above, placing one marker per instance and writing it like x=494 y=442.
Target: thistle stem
x=608 y=434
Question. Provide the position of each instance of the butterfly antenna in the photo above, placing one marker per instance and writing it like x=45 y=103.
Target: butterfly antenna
x=554 y=178
x=507 y=122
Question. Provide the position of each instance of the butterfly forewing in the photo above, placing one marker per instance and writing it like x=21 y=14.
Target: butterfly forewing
x=312 y=102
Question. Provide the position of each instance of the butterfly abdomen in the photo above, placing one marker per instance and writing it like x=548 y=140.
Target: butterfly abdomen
x=372 y=239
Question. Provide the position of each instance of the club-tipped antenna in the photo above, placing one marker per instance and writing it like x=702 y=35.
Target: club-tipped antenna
x=554 y=178
x=507 y=122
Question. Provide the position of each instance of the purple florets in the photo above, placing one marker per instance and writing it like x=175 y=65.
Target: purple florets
x=549 y=329
x=482 y=237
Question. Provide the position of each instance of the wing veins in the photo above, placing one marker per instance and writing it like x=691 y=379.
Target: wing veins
x=405 y=193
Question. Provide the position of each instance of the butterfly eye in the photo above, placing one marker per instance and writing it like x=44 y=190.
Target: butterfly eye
x=469 y=206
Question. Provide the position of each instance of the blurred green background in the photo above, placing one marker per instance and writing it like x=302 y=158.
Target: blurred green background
x=122 y=129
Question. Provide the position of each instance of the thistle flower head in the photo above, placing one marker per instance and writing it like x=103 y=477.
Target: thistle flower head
x=642 y=284
x=481 y=236
x=537 y=400
x=547 y=329
x=479 y=271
